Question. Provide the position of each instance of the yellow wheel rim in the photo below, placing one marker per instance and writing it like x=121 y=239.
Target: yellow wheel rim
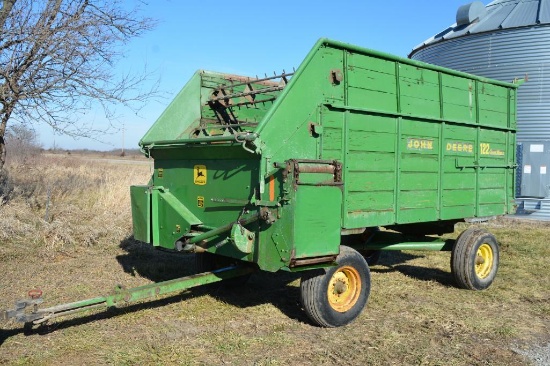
x=344 y=289
x=484 y=260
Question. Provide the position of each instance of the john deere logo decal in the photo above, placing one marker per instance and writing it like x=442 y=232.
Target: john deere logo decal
x=199 y=175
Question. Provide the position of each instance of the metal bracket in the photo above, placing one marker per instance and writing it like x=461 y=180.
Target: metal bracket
x=242 y=238
x=281 y=245
x=519 y=81
x=336 y=76
x=333 y=167
x=315 y=129
x=476 y=165
x=234 y=201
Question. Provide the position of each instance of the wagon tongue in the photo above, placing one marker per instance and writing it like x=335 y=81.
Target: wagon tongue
x=27 y=311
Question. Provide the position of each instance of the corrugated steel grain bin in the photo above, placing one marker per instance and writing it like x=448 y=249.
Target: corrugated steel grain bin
x=502 y=40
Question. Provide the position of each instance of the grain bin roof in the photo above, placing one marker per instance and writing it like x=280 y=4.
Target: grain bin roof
x=499 y=15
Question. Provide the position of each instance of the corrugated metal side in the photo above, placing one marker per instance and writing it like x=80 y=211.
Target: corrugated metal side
x=533 y=208
x=505 y=55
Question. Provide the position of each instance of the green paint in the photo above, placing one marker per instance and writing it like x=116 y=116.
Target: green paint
x=418 y=144
x=123 y=296
x=141 y=212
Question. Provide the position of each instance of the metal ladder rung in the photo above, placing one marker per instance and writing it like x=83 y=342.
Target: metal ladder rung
x=282 y=76
x=249 y=93
x=246 y=93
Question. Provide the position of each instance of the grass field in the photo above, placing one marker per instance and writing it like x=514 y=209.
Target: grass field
x=67 y=229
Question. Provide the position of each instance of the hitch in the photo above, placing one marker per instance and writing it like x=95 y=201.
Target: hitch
x=19 y=314
x=27 y=311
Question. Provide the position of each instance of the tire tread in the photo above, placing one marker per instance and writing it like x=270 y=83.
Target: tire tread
x=313 y=291
x=461 y=265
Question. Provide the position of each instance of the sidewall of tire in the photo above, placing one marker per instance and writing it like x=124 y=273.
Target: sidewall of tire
x=463 y=259
x=315 y=287
x=483 y=283
x=371 y=256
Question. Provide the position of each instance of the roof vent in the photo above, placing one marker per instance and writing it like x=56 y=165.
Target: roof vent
x=468 y=13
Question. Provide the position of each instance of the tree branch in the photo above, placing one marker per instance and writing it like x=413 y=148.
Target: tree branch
x=57 y=61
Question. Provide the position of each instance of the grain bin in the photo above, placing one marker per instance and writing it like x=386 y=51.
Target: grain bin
x=503 y=40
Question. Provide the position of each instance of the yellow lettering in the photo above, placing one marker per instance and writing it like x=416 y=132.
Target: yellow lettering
x=485 y=148
x=419 y=144
x=459 y=147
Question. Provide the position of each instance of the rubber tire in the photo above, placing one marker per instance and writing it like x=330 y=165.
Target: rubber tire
x=463 y=259
x=371 y=256
x=206 y=262
x=314 y=291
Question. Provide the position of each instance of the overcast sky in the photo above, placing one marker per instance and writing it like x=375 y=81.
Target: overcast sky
x=256 y=37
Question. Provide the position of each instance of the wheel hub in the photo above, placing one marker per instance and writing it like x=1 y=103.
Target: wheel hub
x=344 y=289
x=484 y=260
x=340 y=287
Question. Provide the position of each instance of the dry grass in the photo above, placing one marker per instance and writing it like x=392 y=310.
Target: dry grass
x=68 y=203
x=415 y=315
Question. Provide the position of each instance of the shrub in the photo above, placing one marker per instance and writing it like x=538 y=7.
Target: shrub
x=22 y=144
x=6 y=186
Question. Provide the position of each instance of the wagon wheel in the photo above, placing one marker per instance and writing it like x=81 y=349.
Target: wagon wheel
x=335 y=296
x=371 y=256
x=205 y=262
x=475 y=259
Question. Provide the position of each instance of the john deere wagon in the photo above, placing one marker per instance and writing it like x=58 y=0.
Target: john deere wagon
x=319 y=170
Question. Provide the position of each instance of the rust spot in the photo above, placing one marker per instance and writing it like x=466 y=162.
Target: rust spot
x=35 y=293
x=246 y=79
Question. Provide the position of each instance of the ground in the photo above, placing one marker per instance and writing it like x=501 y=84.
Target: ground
x=75 y=242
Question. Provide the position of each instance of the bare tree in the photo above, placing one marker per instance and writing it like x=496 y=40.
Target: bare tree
x=57 y=60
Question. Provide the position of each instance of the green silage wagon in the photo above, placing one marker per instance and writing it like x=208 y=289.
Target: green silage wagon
x=355 y=152
x=318 y=171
